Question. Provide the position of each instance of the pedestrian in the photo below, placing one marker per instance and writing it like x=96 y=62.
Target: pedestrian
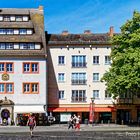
x=31 y=123
x=77 y=125
x=70 y=123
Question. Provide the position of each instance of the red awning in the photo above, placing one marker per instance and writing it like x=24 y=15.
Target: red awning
x=80 y=109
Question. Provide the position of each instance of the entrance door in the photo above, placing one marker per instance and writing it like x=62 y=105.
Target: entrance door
x=5 y=114
x=123 y=115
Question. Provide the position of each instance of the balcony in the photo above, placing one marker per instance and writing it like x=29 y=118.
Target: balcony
x=78 y=82
x=125 y=101
x=78 y=99
x=79 y=65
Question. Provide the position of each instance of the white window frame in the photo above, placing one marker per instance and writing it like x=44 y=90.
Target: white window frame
x=96 y=77
x=96 y=94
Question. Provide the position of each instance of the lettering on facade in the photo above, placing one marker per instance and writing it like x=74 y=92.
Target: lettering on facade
x=5 y=77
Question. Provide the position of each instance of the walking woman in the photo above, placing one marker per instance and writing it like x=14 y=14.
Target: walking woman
x=31 y=123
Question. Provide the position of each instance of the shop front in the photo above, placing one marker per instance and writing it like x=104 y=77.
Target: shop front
x=21 y=114
x=101 y=114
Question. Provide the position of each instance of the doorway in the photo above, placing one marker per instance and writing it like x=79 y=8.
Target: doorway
x=123 y=115
x=5 y=114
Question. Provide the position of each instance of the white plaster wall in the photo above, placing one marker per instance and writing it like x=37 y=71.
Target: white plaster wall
x=90 y=69
x=18 y=78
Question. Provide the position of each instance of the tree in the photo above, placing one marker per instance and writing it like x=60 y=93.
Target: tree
x=124 y=74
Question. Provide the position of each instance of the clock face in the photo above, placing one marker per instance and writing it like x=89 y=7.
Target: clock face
x=5 y=77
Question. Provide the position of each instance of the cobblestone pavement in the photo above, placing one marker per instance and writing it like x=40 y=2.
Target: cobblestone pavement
x=60 y=132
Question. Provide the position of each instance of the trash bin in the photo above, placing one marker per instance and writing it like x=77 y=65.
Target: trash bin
x=86 y=121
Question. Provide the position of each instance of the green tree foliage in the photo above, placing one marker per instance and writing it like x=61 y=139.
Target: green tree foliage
x=124 y=73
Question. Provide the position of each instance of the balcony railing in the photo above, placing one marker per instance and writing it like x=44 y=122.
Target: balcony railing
x=78 y=82
x=125 y=101
x=78 y=99
x=79 y=65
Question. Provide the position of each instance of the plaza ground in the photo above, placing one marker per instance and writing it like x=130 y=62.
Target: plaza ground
x=61 y=132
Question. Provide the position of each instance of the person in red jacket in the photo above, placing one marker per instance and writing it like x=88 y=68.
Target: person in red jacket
x=31 y=123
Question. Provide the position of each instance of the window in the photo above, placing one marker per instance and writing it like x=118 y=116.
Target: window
x=9 y=31
x=9 y=46
x=22 y=31
x=107 y=94
x=95 y=77
x=31 y=46
x=26 y=67
x=78 y=96
x=14 y=18
x=1 y=67
x=126 y=95
x=19 y=18
x=30 y=88
x=96 y=94
x=95 y=59
x=61 y=77
x=79 y=61
x=2 y=46
x=78 y=78
x=23 y=46
x=107 y=60
x=2 y=31
x=9 y=67
x=6 y=88
x=30 y=67
x=61 y=60
x=6 y=67
x=27 y=46
x=6 y=18
x=61 y=94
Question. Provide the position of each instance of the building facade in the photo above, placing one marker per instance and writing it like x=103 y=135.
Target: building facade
x=23 y=85
x=76 y=63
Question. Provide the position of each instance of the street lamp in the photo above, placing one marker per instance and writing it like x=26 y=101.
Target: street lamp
x=92 y=100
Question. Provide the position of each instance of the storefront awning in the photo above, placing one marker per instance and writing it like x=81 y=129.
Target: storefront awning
x=28 y=109
x=79 y=109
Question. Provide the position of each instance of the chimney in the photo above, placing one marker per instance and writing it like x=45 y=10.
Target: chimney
x=65 y=32
x=40 y=8
x=87 y=32
x=111 y=31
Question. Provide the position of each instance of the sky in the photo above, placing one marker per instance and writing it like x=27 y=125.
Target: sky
x=79 y=15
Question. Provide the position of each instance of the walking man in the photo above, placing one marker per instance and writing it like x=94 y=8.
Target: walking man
x=70 y=123
x=31 y=123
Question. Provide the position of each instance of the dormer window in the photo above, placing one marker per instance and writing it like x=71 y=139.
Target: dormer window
x=2 y=31
x=22 y=31
x=23 y=46
x=18 y=18
x=9 y=31
x=6 y=18
x=9 y=46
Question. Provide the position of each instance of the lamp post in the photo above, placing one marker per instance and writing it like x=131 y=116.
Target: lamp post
x=92 y=100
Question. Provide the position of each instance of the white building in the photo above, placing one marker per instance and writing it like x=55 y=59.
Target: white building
x=76 y=63
x=22 y=64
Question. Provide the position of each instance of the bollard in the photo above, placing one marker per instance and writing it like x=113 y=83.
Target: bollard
x=122 y=122
x=108 y=122
x=102 y=122
x=129 y=121
x=132 y=121
x=115 y=121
